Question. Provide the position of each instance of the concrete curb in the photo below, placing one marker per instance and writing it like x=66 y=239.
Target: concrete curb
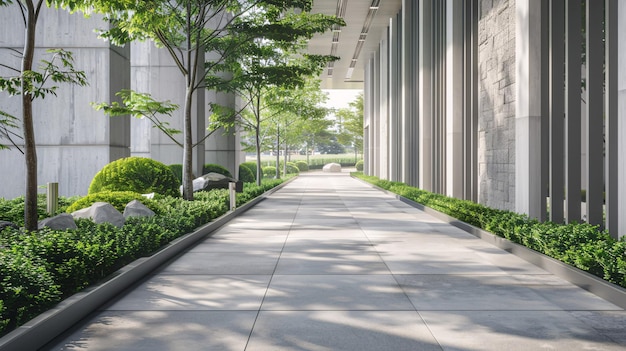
x=606 y=290
x=42 y=329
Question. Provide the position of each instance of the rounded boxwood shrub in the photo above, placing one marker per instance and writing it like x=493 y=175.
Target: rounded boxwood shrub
x=136 y=174
x=117 y=199
x=269 y=171
x=292 y=168
x=251 y=166
x=302 y=166
x=246 y=175
x=359 y=166
x=212 y=167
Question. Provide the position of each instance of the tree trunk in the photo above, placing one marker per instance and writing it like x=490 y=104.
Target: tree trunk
x=259 y=173
x=278 y=154
x=188 y=149
x=285 y=158
x=30 y=149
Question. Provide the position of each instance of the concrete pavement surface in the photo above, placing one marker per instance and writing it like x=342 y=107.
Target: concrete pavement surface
x=330 y=263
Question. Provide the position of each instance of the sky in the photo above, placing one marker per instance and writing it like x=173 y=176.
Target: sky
x=340 y=98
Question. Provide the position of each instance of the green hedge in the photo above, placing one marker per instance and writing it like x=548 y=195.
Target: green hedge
x=318 y=163
x=583 y=246
x=38 y=269
x=13 y=210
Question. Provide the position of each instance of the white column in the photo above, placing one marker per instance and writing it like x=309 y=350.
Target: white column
x=383 y=107
x=410 y=147
x=454 y=98
x=621 y=110
x=425 y=110
x=528 y=108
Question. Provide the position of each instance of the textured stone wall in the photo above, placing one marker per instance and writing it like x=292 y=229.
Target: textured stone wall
x=496 y=121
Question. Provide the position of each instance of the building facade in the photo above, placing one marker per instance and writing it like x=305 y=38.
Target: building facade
x=515 y=104
x=74 y=141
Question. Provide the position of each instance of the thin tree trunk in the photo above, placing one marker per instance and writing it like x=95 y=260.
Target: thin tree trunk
x=187 y=128
x=257 y=132
x=188 y=150
x=278 y=154
x=30 y=149
x=259 y=173
x=285 y=158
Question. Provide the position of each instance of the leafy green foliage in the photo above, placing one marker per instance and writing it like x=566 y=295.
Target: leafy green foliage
x=583 y=246
x=246 y=175
x=136 y=174
x=13 y=210
x=269 y=171
x=26 y=289
x=251 y=166
x=318 y=163
x=119 y=200
x=359 y=166
x=178 y=171
x=302 y=166
x=59 y=69
x=292 y=168
x=141 y=105
x=39 y=268
x=212 y=167
x=8 y=125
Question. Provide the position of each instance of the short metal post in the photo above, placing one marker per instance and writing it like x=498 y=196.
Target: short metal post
x=52 y=198
x=233 y=196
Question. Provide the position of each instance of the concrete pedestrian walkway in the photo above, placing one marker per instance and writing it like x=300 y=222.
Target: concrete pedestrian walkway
x=330 y=263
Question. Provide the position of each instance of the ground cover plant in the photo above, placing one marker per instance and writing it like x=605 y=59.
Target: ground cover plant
x=40 y=268
x=581 y=245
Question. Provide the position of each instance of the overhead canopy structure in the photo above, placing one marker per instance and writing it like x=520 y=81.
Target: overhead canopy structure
x=366 y=21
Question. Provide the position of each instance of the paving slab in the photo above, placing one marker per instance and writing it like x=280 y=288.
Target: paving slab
x=330 y=263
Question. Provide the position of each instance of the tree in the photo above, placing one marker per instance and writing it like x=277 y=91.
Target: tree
x=297 y=108
x=351 y=125
x=32 y=84
x=272 y=60
x=198 y=35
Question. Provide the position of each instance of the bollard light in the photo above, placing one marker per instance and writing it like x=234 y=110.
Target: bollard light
x=52 y=198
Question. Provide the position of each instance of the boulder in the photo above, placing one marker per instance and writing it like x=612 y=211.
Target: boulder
x=198 y=184
x=101 y=212
x=6 y=224
x=137 y=209
x=63 y=221
x=214 y=180
x=332 y=167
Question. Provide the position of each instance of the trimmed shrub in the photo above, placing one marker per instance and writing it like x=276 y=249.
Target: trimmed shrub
x=118 y=199
x=38 y=269
x=26 y=289
x=251 y=166
x=359 y=166
x=178 y=171
x=136 y=174
x=246 y=175
x=13 y=210
x=292 y=168
x=269 y=171
x=302 y=166
x=211 y=167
